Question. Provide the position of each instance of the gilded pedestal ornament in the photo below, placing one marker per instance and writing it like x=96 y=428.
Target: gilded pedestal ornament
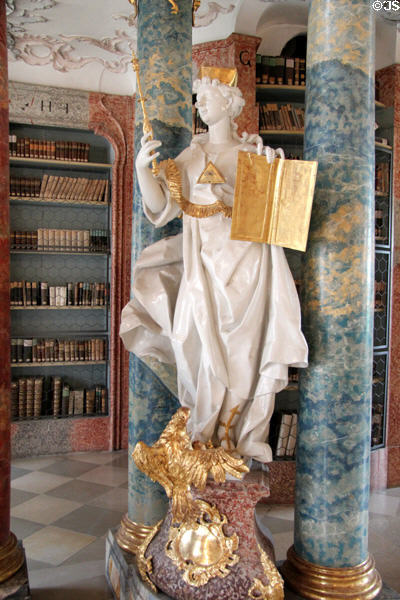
x=197 y=541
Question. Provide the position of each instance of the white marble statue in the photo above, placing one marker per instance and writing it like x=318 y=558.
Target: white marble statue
x=226 y=312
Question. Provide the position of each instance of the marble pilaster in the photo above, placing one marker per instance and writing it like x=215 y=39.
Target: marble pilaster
x=389 y=85
x=333 y=453
x=165 y=72
x=332 y=477
x=11 y=553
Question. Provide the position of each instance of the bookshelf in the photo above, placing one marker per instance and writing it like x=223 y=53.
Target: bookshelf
x=60 y=223
x=273 y=98
x=383 y=269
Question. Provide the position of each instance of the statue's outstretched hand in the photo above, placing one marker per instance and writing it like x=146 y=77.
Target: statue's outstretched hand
x=147 y=152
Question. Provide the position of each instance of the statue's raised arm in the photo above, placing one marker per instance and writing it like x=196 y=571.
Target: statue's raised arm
x=152 y=194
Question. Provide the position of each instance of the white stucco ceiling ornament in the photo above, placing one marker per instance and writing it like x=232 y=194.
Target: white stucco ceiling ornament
x=210 y=11
x=43 y=32
x=68 y=50
x=88 y=45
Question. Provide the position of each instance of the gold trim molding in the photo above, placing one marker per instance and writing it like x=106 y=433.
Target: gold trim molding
x=130 y=535
x=316 y=582
x=11 y=558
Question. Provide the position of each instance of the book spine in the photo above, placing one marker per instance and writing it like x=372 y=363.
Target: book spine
x=14 y=399
x=291 y=443
x=56 y=396
x=37 y=397
x=22 y=397
x=283 y=435
x=30 y=382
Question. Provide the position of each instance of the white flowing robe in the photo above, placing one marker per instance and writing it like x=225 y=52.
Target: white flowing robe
x=225 y=311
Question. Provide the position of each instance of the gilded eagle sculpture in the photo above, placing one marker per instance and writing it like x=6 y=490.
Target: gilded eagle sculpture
x=177 y=464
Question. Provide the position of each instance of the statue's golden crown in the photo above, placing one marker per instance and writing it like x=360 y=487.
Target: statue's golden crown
x=228 y=76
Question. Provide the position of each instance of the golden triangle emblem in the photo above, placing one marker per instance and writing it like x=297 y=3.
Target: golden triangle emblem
x=211 y=175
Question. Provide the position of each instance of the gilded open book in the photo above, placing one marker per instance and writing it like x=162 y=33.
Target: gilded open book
x=273 y=201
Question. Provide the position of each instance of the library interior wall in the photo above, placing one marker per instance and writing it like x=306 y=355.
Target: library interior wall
x=239 y=50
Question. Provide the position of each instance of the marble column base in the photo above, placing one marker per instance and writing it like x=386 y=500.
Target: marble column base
x=386 y=594
x=17 y=586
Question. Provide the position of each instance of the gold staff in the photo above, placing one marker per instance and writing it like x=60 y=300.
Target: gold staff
x=147 y=128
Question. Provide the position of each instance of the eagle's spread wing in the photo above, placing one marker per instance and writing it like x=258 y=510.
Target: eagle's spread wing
x=217 y=461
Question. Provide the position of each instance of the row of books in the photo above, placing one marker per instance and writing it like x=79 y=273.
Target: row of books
x=61 y=240
x=48 y=149
x=34 y=397
x=40 y=293
x=283 y=434
x=284 y=117
x=382 y=177
x=280 y=70
x=52 y=187
x=25 y=187
x=36 y=350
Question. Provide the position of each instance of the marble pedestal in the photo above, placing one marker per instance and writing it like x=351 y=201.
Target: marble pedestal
x=17 y=586
x=235 y=499
x=126 y=584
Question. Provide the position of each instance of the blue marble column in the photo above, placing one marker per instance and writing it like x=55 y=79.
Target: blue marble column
x=332 y=483
x=165 y=57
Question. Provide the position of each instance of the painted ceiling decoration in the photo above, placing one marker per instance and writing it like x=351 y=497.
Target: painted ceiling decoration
x=71 y=51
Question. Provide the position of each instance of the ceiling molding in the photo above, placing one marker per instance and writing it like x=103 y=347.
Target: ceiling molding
x=69 y=52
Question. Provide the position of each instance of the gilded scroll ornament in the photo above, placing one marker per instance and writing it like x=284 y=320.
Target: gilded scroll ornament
x=274 y=589
x=200 y=548
x=174 y=463
x=144 y=565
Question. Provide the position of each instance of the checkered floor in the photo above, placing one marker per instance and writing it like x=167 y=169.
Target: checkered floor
x=63 y=506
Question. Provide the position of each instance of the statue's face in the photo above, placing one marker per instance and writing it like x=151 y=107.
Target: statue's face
x=212 y=105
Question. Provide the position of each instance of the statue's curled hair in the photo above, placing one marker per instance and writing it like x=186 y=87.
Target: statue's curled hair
x=237 y=100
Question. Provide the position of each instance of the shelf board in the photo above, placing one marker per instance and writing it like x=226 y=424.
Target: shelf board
x=52 y=417
x=70 y=363
x=379 y=104
x=56 y=201
x=281 y=92
x=381 y=194
x=89 y=253
x=383 y=146
x=63 y=163
x=35 y=307
x=289 y=132
x=291 y=387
